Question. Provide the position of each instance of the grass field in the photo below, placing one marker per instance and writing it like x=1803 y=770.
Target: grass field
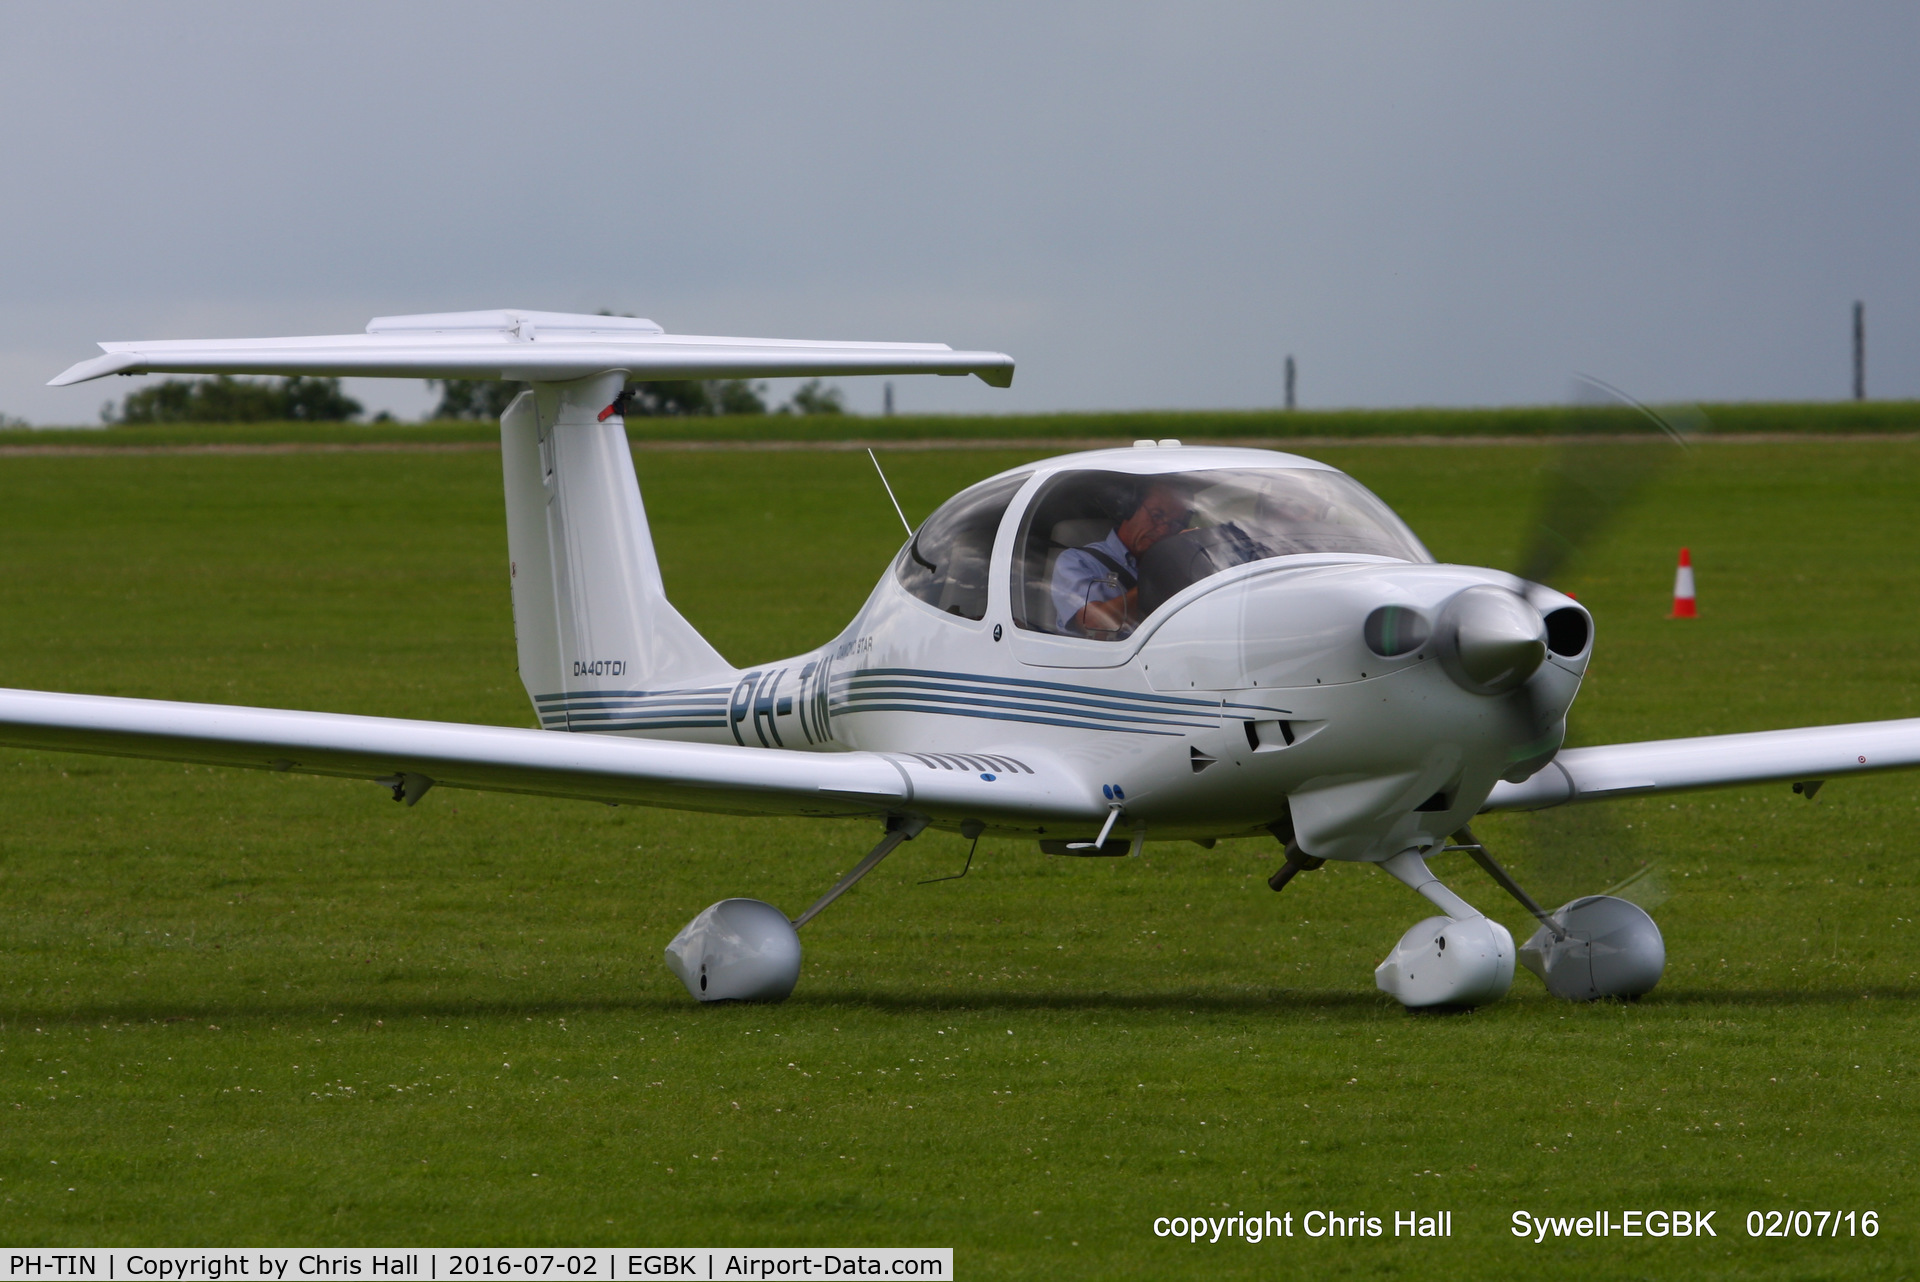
x=250 y=1009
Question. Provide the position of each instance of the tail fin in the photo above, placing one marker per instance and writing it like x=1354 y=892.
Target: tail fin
x=589 y=611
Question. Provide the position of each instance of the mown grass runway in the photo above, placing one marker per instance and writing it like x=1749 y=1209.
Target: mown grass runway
x=240 y=1008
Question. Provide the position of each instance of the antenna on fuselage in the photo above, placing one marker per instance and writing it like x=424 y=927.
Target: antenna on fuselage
x=890 y=498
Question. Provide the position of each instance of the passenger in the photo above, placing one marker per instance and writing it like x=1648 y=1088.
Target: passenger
x=1096 y=588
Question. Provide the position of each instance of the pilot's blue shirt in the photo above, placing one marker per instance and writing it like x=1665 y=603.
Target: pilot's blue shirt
x=1080 y=578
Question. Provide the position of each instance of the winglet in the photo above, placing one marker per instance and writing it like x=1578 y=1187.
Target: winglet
x=100 y=367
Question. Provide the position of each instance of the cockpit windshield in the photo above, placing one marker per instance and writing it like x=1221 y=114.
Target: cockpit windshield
x=1101 y=551
x=945 y=562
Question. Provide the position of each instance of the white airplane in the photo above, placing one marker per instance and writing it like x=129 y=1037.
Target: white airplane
x=1166 y=643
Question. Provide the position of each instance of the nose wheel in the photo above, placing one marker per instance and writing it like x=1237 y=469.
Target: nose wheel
x=1593 y=947
x=1608 y=947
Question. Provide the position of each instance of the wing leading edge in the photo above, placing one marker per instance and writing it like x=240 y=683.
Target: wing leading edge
x=1714 y=761
x=413 y=755
x=490 y=758
x=531 y=347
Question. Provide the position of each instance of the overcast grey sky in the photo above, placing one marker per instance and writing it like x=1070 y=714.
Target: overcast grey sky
x=1148 y=205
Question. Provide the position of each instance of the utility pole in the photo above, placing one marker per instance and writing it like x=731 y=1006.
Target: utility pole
x=1859 y=351
x=1289 y=382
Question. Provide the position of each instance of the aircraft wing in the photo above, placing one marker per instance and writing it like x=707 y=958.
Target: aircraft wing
x=410 y=756
x=525 y=346
x=1714 y=761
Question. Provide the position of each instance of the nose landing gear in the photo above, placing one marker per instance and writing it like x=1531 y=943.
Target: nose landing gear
x=1607 y=947
x=1596 y=946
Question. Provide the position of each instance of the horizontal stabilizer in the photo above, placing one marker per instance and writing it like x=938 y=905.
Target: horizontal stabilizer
x=1714 y=761
x=527 y=346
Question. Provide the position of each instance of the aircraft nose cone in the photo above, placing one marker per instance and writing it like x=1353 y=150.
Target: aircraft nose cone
x=1491 y=639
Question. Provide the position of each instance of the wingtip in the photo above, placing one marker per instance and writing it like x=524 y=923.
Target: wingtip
x=997 y=375
x=98 y=367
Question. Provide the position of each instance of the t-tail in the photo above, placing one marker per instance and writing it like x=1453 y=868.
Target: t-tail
x=595 y=631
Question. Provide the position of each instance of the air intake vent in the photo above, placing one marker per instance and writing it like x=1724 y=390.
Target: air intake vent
x=1568 y=631
x=1394 y=630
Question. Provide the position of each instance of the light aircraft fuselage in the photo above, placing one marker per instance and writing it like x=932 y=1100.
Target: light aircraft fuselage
x=1249 y=691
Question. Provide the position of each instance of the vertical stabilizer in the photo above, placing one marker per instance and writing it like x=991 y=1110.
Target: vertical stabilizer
x=589 y=611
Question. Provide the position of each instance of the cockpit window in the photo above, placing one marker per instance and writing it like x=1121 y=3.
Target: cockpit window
x=945 y=562
x=1101 y=551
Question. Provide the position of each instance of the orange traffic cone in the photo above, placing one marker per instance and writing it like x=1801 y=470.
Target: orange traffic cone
x=1683 y=587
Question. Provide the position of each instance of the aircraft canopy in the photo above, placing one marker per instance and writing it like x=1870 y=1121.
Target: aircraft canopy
x=1096 y=536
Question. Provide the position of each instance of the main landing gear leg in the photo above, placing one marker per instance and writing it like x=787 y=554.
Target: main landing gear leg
x=1596 y=946
x=745 y=950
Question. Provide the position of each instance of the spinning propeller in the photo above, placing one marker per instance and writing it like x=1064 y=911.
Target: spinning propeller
x=1609 y=450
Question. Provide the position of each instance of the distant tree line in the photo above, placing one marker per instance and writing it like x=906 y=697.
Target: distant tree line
x=225 y=399
x=667 y=398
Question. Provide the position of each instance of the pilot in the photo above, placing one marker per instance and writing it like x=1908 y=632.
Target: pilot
x=1096 y=588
